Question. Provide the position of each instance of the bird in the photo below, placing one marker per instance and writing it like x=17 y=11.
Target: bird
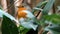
x=26 y=19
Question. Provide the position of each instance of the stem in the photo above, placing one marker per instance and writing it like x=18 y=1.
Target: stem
x=38 y=13
x=40 y=31
x=53 y=8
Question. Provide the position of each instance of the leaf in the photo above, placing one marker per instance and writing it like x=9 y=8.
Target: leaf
x=54 y=18
x=8 y=26
x=8 y=15
x=39 y=6
x=53 y=32
x=55 y=29
x=48 y=6
x=23 y=30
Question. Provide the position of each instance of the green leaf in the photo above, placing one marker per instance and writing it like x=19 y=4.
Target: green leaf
x=8 y=26
x=55 y=29
x=55 y=21
x=39 y=6
x=8 y=15
x=23 y=30
x=48 y=6
x=54 y=18
x=54 y=32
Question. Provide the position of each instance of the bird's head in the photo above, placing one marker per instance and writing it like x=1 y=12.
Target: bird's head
x=26 y=18
x=24 y=13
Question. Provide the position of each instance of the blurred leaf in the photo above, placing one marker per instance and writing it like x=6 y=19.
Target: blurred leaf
x=39 y=6
x=23 y=30
x=8 y=26
x=53 y=32
x=55 y=29
x=48 y=6
x=0 y=7
x=54 y=18
x=8 y=15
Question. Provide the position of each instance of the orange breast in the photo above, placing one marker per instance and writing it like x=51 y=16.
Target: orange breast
x=21 y=14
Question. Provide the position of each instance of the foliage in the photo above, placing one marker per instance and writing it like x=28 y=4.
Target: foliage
x=53 y=21
x=54 y=18
x=8 y=26
x=41 y=4
x=48 y=6
x=23 y=30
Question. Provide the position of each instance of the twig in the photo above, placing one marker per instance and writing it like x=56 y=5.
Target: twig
x=53 y=8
